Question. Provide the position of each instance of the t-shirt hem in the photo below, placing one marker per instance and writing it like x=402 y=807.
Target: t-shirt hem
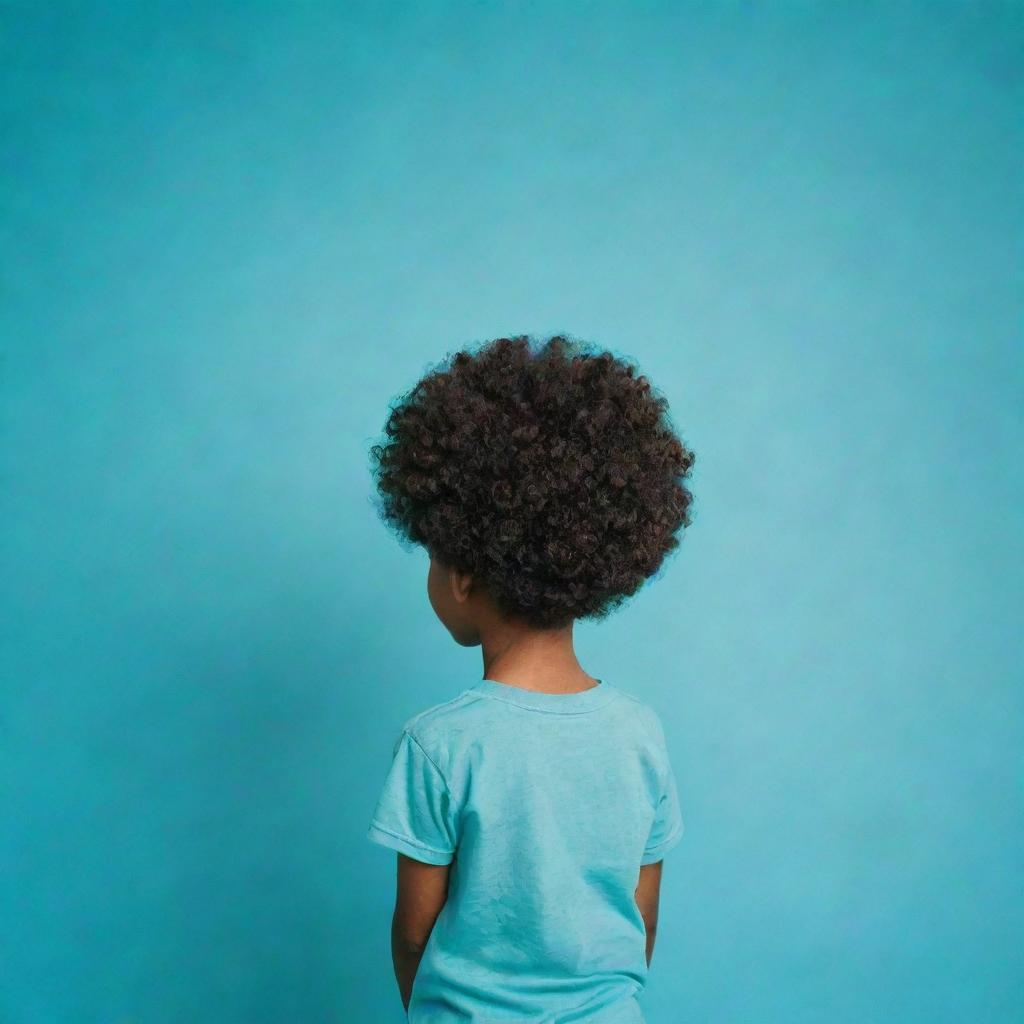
x=656 y=853
x=385 y=837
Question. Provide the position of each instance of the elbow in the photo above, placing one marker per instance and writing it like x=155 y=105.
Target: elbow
x=408 y=946
x=408 y=943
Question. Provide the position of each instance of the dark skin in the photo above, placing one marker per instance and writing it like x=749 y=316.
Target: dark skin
x=542 y=660
x=422 y=891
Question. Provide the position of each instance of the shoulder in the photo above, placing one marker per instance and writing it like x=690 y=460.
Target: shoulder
x=644 y=715
x=437 y=717
x=435 y=728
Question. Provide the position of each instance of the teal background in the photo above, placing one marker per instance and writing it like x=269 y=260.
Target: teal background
x=233 y=232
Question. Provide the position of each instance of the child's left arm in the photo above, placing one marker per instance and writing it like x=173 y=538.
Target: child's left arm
x=422 y=891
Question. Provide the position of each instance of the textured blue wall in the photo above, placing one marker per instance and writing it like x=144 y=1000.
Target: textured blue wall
x=231 y=233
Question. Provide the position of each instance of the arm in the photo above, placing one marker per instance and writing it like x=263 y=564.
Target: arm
x=648 y=891
x=422 y=891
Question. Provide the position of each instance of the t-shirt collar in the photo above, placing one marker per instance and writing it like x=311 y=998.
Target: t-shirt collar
x=557 y=703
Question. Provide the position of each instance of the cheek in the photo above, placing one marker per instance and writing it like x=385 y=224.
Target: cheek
x=433 y=590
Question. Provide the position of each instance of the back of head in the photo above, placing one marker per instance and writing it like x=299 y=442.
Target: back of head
x=549 y=471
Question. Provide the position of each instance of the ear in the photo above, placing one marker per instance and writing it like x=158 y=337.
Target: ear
x=462 y=585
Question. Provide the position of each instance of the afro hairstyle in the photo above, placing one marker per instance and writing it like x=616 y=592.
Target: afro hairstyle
x=549 y=471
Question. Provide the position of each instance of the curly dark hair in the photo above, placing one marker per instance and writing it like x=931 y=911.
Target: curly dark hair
x=549 y=471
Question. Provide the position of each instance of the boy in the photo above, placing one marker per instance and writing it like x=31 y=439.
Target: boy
x=531 y=812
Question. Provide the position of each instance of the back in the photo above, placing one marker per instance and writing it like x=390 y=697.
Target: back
x=545 y=805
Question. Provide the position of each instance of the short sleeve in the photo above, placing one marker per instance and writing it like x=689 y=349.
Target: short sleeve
x=667 y=827
x=414 y=813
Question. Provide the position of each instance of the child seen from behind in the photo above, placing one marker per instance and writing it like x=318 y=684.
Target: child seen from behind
x=532 y=811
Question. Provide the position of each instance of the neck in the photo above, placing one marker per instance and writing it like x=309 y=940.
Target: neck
x=533 y=659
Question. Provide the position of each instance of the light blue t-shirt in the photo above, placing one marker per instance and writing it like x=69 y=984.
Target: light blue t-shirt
x=545 y=805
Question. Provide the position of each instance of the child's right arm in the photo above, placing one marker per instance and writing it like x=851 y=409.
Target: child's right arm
x=421 y=893
x=647 y=894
